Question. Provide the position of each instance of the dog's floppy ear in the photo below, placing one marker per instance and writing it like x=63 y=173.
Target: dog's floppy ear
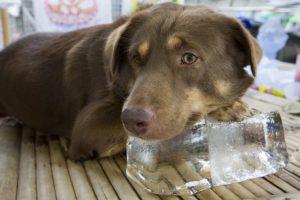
x=111 y=51
x=248 y=43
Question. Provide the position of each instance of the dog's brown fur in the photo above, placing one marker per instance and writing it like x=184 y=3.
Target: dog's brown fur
x=76 y=84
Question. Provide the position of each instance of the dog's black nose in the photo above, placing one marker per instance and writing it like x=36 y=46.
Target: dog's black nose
x=136 y=120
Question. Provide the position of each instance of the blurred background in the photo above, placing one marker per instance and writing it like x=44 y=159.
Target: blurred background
x=275 y=23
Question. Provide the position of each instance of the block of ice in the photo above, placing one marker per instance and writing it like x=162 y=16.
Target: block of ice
x=252 y=148
x=209 y=154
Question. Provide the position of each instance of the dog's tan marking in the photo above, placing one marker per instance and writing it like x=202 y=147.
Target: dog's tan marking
x=197 y=100
x=200 y=102
x=174 y=42
x=143 y=49
x=223 y=86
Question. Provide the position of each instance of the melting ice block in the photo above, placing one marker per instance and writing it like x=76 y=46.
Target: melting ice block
x=209 y=154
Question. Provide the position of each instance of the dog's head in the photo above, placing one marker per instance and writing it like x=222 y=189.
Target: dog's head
x=175 y=64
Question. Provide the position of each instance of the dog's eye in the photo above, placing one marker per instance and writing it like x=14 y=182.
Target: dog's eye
x=188 y=58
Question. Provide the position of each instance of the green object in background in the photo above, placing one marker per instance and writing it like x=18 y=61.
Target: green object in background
x=294 y=19
x=134 y=5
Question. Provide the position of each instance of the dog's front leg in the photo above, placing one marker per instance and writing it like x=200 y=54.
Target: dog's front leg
x=97 y=132
x=234 y=112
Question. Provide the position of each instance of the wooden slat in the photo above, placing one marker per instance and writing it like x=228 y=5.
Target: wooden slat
x=269 y=99
x=9 y=161
x=261 y=106
x=208 y=194
x=296 y=135
x=45 y=185
x=267 y=186
x=27 y=176
x=254 y=188
x=101 y=185
x=290 y=149
x=117 y=179
x=81 y=185
x=62 y=183
x=80 y=182
x=166 y=197
x=287 y=196
x=240 y=191
x=293 y=145
x=293 y=169
x=225 y=193
x=280 y=183
x=289 y=178
x=141 y=192
x=295 y=163
x=290 y=142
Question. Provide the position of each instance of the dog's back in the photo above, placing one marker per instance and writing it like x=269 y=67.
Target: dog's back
x=33 y=85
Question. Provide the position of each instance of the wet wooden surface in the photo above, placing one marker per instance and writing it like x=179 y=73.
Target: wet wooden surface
x=35 y=167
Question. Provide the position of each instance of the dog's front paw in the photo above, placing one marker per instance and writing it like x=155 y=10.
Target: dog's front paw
x=237 y=111
x=82 y=155
x=85 y=152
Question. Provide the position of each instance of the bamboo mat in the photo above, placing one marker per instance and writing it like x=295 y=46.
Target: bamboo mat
x=35 y=167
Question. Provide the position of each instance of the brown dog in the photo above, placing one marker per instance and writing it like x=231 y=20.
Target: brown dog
x=157 y=71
